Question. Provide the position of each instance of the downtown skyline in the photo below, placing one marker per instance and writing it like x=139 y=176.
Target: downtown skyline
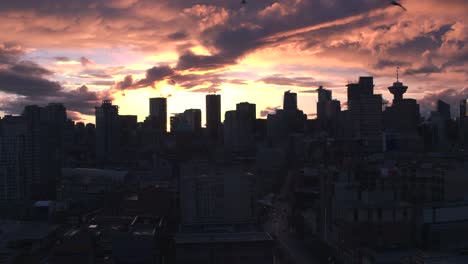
x=129 y=51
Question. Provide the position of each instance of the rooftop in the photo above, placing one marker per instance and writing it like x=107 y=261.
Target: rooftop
x=22 y=230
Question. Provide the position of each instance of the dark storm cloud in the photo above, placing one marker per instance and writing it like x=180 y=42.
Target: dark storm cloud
x=224 y=27
x=126 y=83
x=84 y=100
x=189 y=60
x=27 y=85
x=229 y=32
x=414 y=46
x=29 y=68
x=242 y=34
x=179 y=35
x=155 y=74
x=10 y=53
x=27 y=82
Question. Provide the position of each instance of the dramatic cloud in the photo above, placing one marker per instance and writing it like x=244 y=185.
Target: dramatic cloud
x=205 y=46
x=28 y=85
x=179 y=35
x=86 y=62
x=153 y=75
x=29 y=68
x=189 y=60
x=10 y=53
x=83 y=100
x=126 y=83
x=24 y=82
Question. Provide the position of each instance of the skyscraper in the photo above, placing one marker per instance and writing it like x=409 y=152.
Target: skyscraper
x=53 y=119
x=326 y=107
x=188 y=121
x=365 y=111
x=328 y=111
x=158 y=113
x=35 y=147
x=289 y=101
x=128 y=136
x=401 y=121
x=213 y=114
x=13 y=155
x=32 y=147
x=239 y=127
x=287 y=120
x=324 y=94
x=463 y=108
x=107 y=131
x=444 y=109
x=365 y=87
x=193 y=119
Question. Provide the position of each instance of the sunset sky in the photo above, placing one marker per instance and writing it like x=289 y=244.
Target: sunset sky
x=80 y=52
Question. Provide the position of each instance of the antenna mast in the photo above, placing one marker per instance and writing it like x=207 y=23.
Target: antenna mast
x=397 y=69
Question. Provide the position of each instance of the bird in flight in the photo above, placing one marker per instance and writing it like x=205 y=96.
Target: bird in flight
x=396 y=3
x=243 y=2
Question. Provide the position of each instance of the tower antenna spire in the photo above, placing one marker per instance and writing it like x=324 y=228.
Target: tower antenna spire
x=397 y=69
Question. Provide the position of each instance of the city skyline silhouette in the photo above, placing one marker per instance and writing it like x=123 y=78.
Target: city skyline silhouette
x=330 y=45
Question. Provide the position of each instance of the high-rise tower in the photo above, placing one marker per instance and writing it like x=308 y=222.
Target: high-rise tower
x=365 y=110
x=107 y=131
x=213 y=114
x=397 y=89
x=158 y=113
x=290 y=101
